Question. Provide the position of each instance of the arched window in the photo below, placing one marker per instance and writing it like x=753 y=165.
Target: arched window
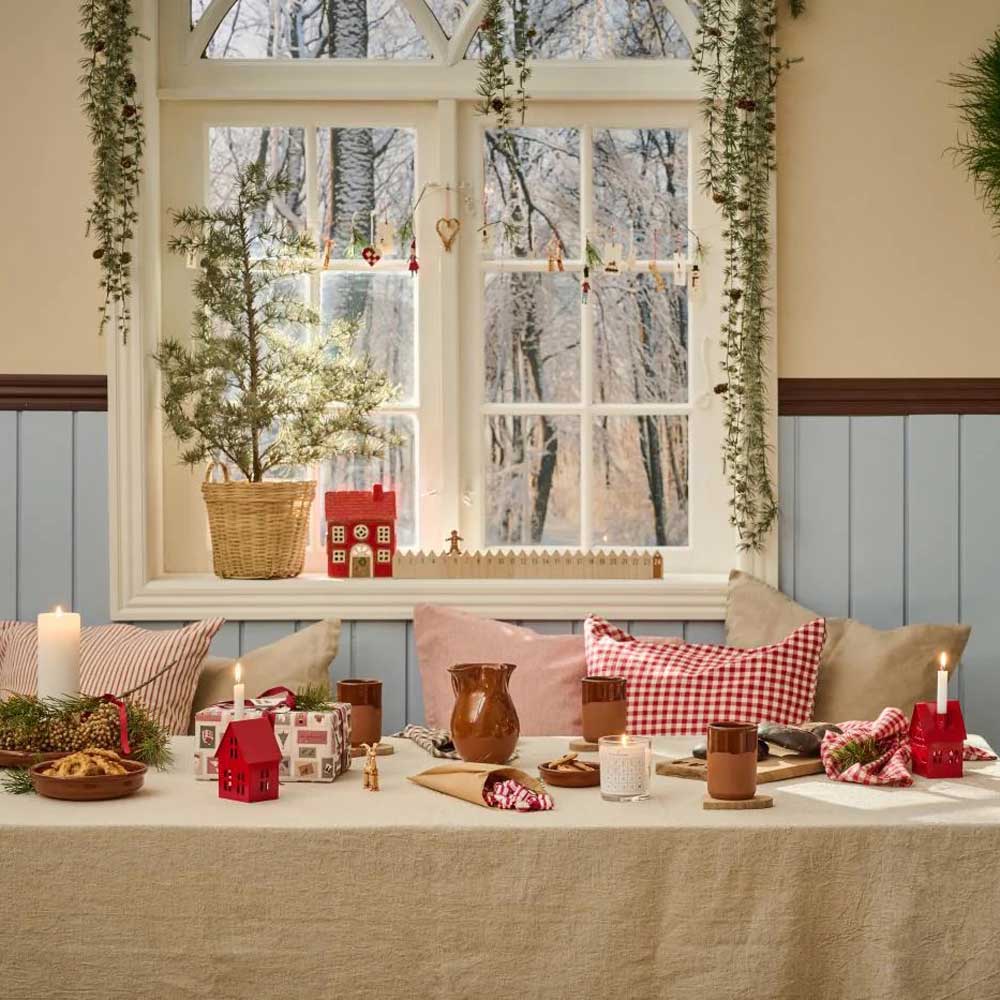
x=554 y=362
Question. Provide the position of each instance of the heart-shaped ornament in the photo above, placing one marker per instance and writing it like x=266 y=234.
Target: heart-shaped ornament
x=448 y=229
x=371 y=255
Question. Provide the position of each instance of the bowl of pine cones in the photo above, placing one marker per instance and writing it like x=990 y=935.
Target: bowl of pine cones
x=88 y=775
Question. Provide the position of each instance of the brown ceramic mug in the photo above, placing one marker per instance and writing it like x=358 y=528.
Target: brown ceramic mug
x=732 y=760
x=365 y=699
x=603 y=707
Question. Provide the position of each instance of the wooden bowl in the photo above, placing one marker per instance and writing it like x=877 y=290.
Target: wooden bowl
x=89 y=789
x=25 y=758
x=570 y=779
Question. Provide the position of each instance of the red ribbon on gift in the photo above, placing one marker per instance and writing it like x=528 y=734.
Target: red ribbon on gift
x=122 y=721
x=287 y=703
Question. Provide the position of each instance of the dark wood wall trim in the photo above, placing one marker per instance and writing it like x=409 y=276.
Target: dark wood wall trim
x=807 y=397
x=53 y=392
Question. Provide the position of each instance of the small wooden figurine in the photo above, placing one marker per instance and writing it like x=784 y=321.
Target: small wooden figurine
x=371 y=767
x=454 y=538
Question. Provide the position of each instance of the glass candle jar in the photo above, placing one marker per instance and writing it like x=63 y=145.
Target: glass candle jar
x=603 y=707
x=732 y=760
x=626 y=767
x=365 y=699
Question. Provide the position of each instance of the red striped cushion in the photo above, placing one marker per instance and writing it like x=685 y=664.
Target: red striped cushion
x=117 y=658
x=678 y=690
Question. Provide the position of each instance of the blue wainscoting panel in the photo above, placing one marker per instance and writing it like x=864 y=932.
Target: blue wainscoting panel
x=45 y=513
x=822 y=503
x=9 y=480
x=787 y=466
x=90 y=517
x=980 y=554
x=932 y=513
x=379 y=651
x=877 y=505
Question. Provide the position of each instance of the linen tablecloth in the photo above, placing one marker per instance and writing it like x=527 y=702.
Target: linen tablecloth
x=840 y=891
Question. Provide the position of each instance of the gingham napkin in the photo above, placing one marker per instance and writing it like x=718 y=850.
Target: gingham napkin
x=890 y=733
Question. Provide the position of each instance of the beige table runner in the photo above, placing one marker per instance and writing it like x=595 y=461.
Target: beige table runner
x=331 y=891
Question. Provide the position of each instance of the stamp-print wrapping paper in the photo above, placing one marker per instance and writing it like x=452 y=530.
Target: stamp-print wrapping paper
x=315 y=746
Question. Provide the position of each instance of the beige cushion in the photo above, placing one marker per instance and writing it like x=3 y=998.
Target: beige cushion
x=862 y=669
x=293 y=662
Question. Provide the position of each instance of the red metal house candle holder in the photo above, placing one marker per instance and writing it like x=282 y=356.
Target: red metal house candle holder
x=360 y=532
x=248 y=759
x=937 y=742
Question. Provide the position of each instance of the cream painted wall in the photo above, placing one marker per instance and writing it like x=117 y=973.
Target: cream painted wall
x=48 y=279
x=887 y=266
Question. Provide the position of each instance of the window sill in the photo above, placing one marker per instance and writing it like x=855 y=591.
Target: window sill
x=177 y=597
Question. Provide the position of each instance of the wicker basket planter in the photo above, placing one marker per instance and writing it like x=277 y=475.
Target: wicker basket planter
x=259 y=530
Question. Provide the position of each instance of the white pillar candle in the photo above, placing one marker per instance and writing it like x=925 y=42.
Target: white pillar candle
x=942 y=685
x=58 y=654
x=626 y=765
x=239 y=691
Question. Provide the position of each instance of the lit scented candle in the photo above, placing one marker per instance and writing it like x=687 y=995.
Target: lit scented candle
x=626 y=766
x=58 y=654
x=239 y=692
x=942 y=685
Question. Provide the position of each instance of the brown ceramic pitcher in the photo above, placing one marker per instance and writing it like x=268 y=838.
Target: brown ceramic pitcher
x=484 y=723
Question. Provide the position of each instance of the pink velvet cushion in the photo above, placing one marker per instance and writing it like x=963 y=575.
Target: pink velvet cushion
x=545 y=686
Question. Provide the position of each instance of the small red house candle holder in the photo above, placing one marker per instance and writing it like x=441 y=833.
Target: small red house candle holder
x=937 y=740
x=360 y=532
x=248 y=759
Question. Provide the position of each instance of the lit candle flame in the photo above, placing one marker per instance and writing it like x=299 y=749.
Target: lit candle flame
x=943 y=660
x=239 y=673
x=58 y=609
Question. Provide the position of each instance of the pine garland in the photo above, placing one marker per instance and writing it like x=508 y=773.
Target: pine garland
x=739 y=61
x=979 y=152
x=501 y=94
x=117 y=132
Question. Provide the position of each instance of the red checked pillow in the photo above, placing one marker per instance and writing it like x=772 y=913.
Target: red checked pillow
x=116 y=658
x=678 y=690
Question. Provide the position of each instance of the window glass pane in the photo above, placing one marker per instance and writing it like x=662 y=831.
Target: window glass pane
x=382 y=305
x=640 y=480
x=640 y=339
x=532 y=338
x=198 y=7
x=600 y=29
x=364 y=170
x=317 y=29
x=641 y=189
x=395 y=470
x=279 y=150
x=532 y=480
x=532 y=191
x=449 y=13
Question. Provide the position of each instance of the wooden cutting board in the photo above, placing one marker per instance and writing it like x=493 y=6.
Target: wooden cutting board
x=772 y=769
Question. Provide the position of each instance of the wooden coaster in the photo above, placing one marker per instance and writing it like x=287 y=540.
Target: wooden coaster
x=382 y=750
x=582 y=746
x=757 y=802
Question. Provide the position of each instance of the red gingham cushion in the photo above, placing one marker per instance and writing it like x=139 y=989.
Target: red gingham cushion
x=678 y=690
x=117 y=658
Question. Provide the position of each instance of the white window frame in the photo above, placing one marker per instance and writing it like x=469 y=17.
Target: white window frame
x=173 y=72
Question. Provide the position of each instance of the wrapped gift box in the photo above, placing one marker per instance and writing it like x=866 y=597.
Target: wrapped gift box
x=315 y=746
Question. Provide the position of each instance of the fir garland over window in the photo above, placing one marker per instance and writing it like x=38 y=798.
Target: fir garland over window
x=740 y=62
x=500 y=94
x=118 y=135
x=979 y=152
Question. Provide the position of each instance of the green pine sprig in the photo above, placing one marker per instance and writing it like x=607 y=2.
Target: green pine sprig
x=117 y=132
x=16 y=781
x=313 y=698
x=979 y=151
x=502 y=90
x=861 y=751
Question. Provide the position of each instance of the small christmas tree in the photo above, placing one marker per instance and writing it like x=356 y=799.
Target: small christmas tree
x=253 y=389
